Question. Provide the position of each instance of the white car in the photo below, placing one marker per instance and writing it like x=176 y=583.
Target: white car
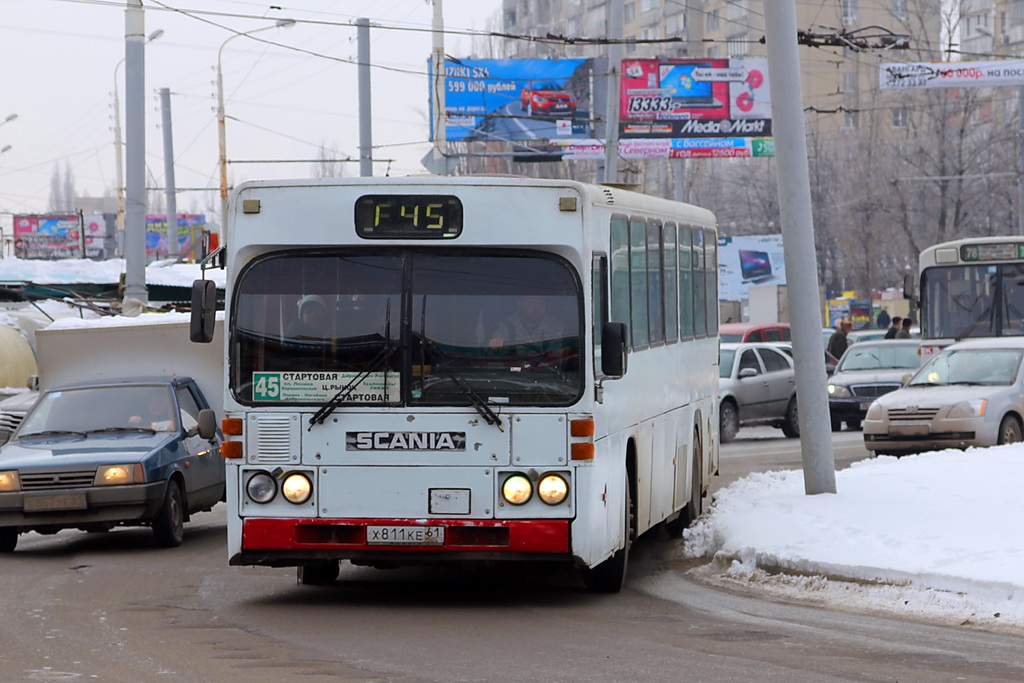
x=970 y=394
x=756 y=385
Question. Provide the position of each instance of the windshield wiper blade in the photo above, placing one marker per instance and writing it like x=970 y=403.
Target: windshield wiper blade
x=475 y=399
x=110 y=430
x=53 y=432
x=327 y=408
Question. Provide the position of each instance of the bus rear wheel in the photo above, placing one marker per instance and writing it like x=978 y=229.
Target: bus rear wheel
x=610 y=575
x=318 y=573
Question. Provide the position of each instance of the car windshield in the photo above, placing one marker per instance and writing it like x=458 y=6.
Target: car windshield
x=94 y=409
x=407 y=327
x=970 y=366
x=725 y=369
x=880 y=357
x=547 y=85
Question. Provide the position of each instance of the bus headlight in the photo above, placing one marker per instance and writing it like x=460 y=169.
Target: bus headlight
x=517 y=489
x=261 y=487
x=552 y=489
x=297 y=488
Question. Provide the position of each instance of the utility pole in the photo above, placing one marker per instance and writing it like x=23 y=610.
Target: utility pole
x=609 y=173
x=437 y=61
x=798 y=245
x=135 y=153
x=365 y=121
x=169 y=188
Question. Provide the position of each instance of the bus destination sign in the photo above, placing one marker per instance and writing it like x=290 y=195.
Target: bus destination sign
x=408 y=216
x=997 y=251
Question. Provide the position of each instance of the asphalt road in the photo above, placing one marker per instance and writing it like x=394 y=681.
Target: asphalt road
x=113 y=607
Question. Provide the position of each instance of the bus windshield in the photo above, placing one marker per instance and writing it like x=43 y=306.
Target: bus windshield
x=407 y=327
x=972 y=301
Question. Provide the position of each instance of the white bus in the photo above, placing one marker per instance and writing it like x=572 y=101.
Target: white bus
x=972 y=287
x=434 y=370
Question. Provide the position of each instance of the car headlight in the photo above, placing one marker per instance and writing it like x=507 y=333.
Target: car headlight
x=875 y=411
x=117 y=475
x=838 y=391
x=297 y=488
x=9 y=481
x=975 y=408
x=261 y=487
x=552 y=489
x=517 y=489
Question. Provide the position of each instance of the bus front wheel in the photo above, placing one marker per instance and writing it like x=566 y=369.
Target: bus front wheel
x=610 y=575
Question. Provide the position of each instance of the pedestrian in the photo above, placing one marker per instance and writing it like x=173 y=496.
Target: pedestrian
x=837 y=343
x=891 y=332
x=904 y=332
x=883 y=319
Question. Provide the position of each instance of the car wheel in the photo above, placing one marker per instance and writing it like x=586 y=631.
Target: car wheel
x=837 y=425
x=169 y=524
x=791 y=424
x=728 y=421
x=1009 y=430
x=319 y=573
x=8 y=539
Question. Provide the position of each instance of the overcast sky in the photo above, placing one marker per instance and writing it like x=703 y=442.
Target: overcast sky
x=59 y=59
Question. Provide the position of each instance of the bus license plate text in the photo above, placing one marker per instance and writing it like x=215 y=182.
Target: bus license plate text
x=405 y=535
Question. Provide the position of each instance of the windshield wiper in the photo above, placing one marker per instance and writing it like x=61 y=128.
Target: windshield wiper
x=381 y=359
x=53 y=432
x=475 y=399
x=107 y=430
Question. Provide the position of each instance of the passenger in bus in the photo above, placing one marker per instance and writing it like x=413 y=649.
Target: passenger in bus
x=311 y=322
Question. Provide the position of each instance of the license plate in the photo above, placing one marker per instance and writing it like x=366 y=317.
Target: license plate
x=910 y=430
x=405 y=535
x=63 y=501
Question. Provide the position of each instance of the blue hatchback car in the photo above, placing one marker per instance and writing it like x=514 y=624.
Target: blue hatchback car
x=94 y=456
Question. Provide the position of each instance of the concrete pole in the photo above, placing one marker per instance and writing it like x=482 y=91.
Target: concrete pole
x=119 y=164
x=437 y=61
x=365 y=120
x=611 y=127
x=1020 y=174
x=170 y=189
x=798 y=244
x=135 y=153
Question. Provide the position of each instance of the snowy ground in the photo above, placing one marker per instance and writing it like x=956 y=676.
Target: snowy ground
x=936 y=536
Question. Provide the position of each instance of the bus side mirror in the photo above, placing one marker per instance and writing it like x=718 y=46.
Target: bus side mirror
x=909 y=287
x=613 y=349
x=204 y=311
x=207 y=424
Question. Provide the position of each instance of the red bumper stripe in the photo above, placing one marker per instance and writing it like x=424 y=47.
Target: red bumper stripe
x=522 y=536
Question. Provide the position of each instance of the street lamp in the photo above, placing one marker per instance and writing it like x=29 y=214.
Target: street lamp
x=118 y=145
x=221 y=135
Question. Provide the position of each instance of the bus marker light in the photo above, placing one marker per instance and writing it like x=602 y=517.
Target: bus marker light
x=231 y=449
x=582 y=451
x=581 y=428
x=231 y=426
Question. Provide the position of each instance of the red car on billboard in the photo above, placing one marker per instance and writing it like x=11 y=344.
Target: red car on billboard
x=546 y=97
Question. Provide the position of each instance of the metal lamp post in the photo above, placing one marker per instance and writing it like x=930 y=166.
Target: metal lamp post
x=221 y=135
x=119 y=145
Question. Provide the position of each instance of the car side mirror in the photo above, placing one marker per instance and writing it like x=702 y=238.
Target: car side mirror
x=204 y=311
x=207 y=424
x=906 y=379
x=748 y=372
x=613 y=349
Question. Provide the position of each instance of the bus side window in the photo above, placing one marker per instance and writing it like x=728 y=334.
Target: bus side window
x=599 y=294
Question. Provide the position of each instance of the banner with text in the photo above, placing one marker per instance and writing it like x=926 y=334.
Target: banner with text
x=951 y=74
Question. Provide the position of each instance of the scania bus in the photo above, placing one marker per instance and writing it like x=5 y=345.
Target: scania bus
x=463 y=369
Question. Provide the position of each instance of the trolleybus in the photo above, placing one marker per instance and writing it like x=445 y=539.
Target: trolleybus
x=454 y=370
x=971 y=287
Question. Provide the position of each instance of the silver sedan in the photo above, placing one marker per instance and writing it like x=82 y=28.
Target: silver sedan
x=970 y=394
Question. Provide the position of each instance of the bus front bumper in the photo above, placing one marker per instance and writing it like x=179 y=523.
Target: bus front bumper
x=288 y=542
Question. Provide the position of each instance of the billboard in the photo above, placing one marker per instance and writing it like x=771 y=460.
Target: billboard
x=694 y=98
x=516 y=99
x=907 y=75
x=749 y=260
x=190 y=227
x=58 y=236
